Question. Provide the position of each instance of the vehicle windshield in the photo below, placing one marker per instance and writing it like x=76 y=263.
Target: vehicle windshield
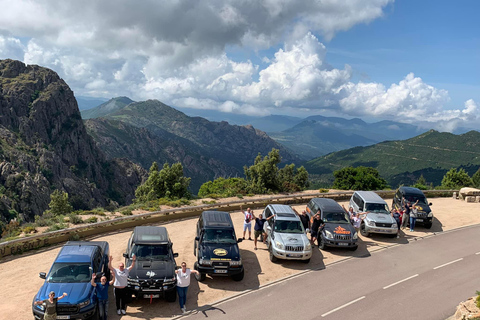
x=336 y=217
x=377 y=208
x=413 y=198
x=150 y=251
x=219 y=236
x=288 y=227
x=70 y=272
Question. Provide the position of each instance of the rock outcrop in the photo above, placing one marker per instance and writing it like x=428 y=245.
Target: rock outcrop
x=44 y=146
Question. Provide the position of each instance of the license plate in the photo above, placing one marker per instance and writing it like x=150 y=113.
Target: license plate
x=342 y=244
x=421 y=220
x=146 y=296
x=294 y=255
x=220 y=271
x=63 y=317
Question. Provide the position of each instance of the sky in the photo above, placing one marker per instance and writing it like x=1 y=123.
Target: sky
x=409 y=61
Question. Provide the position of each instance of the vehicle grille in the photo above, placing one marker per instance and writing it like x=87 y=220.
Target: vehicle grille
x=66 y=309
x=385 y=225
x=221 y=264
x=294 y=248
x=422 y=215
x=343 y=237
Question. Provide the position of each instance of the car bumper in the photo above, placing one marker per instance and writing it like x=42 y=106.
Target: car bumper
x=291 y=255
x=152 y=291
x=84 y=313
x=339 y=243
x=230 y=271
x=425 y=220
x=381 y=230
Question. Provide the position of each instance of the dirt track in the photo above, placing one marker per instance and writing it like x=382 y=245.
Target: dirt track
x=20 y=280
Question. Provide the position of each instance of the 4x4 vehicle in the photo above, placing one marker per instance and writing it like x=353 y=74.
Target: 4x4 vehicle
x=411 y=196
x=71 y=272
x=153 y=275
x=216 y=247
x=337 y=229
x=378 y=219
x=286 y=238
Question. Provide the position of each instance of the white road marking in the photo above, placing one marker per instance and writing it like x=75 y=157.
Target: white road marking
x=477 y=253
x=391 y=285
x=341 y=307
x=446 y=264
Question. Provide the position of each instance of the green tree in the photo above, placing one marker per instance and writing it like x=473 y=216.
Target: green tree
x=476 y=179
x=223 y=187
x=454 y=179
x=166 y=183
x=360 y=178
x=261 y=177
x=291 y=179
x=59 y=203
x=421 y=183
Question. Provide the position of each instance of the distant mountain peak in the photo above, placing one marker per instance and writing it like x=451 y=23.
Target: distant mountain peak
x=106 y=108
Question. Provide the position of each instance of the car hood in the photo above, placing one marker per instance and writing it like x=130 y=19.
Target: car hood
x=423 y=208
x=219 y=251
x=340 y=228
x=76 y=292
x=146 y=269
x=380 y=217
x=291 y=239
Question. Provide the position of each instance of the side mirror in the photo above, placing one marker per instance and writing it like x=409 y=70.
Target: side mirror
x=430 y=204
x=269 y=228
x=125 y=255
x=42 y=275
x=197 y=239
x=239 y=240
x=175 y=255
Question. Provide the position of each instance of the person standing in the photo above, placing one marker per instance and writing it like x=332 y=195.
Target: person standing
x=406 y=213
x=183 y=281
x=413 y=216
x=247 y=223
x=50 y=305
x=258 y=229
x=102 y=294
x=120 y=285
x=357 y=220
x=305 y=220
x=316 y=223
x=396 y=215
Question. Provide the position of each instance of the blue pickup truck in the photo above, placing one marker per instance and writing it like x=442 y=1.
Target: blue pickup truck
x=71 y=272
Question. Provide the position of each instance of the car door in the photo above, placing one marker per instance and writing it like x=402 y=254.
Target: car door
x=268 y=227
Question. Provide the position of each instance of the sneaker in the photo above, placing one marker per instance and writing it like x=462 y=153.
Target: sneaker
x=124 y=312
x=255 y=248
x=119 y=312
x=250 y=239
x=398 y=236
x=243 y=238
x=184 y=310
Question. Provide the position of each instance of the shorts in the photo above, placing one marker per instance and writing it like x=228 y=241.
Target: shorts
x=247 y=226
x=313 y=234
x=258 y=233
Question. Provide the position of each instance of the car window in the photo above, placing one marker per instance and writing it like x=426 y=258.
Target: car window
x=377 y=208
x=335 y=217
x=219 y=236
x=288 y=227
x=413 y=198
x=150 y=252
x=70 y=272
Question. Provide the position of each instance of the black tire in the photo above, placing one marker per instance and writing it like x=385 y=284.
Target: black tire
x=171 y=296
x=270 y=254
x=428 y=225
x=363 y=232
x=96 y=315
x=353 y=248
x=321 y=243
x=238 y=277
x=306 y=261
x=200 y=276
x=393 y=235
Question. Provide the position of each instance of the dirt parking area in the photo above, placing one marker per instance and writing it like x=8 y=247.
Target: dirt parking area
x=20 y=279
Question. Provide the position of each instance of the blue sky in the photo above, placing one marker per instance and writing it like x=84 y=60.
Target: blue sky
x=375 y=59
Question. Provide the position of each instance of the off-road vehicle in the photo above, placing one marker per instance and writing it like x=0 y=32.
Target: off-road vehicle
x=411 y=195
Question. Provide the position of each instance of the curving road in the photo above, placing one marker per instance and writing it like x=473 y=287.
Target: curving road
x=424 y=279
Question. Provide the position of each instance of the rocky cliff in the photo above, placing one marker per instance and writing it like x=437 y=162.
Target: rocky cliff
x=44 y=146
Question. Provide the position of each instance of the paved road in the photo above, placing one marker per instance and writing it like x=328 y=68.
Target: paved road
x=424 y=279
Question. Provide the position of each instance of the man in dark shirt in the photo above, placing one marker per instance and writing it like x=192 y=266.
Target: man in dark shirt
x=258 y=229
x=316 y=224
x=305 y=220
x=406 y=213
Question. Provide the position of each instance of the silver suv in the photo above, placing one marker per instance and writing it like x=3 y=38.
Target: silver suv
x=286 y=238
x=378 y=219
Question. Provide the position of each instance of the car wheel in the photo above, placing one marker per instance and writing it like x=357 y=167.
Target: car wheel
x=363 y=231
x=428 y=225
x=321 y=243
x=353 y=248
x=239 y=277
x=171 y=296
x=200 y=276
x=393 y=235
x=306 y=261
x=271 y=255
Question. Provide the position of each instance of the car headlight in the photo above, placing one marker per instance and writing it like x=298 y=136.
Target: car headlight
x=308 y=247
x=84 y=303
x=328 y=234
x=279 y=245
x=430 y=215
x=236 y=263
x=169 y=280
x=205 y=262
x=133 y=281
x=371 y=223
x=394 y=225
x=355 y=235
x=40 y=306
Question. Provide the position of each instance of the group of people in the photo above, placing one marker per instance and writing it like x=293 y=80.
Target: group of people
x=258 y=229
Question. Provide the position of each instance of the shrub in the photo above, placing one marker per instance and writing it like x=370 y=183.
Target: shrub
x=478 y=299
x=209 y=202
x=12 y=229
x=126 y=212
x=323 y=190
x=59 y=203
x=29 y=229
x=91 y=220
x=57 y=226
x=75 y=219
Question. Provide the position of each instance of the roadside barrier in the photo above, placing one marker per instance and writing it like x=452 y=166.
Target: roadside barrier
x=32 y=242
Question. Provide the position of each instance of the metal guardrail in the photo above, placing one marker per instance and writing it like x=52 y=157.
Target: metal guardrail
x=32 y=242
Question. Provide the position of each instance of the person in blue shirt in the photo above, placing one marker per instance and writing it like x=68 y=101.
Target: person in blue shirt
x=258 y=229
x=102 y=294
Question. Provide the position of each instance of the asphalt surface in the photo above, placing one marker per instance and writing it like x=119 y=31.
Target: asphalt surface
x=424 y=279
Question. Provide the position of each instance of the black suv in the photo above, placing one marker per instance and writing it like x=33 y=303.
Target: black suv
x=153 y=275
x=337 y=230
x=216 y=247
x=411 y=196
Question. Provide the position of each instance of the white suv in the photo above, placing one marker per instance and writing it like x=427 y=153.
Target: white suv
x=286 y=238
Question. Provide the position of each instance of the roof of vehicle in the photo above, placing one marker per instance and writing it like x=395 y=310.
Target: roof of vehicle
x=217 y=219
x=150 y=235
x=282 y=211
x=328 y=205
x=370 y=196
x=411 y=190
x=76 y=253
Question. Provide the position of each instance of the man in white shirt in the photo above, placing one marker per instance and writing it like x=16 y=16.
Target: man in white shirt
x=247 y=223
x=120 y=285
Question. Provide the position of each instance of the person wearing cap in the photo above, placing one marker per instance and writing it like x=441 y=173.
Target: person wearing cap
x=50 y=305
x=120 y=285
x=102 y=294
